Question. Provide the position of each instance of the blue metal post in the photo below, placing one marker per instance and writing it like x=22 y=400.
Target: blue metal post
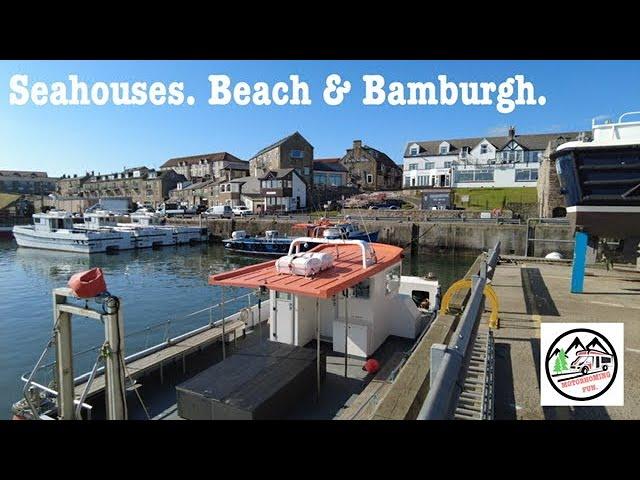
x=579 y=262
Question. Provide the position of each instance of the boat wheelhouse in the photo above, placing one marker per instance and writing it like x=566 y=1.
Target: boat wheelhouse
x=600 y=179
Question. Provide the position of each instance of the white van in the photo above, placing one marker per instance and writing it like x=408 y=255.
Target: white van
x=219 y=211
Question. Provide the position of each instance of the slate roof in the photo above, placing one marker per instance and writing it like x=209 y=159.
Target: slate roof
x=193 y=159
x=278 y=143
x=537 y=141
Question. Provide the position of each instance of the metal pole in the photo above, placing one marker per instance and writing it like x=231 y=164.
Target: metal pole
x=318 y=346
x=224 y=350
x=64 y=359
x=346 y=332
x=260 y=314
x=579 y=262
x=114 y=379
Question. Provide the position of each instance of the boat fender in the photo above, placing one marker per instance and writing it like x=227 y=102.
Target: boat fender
x=88 y=284
x=371 y=366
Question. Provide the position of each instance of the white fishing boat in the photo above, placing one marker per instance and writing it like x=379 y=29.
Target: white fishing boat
x=101 y=232
x=335 y=319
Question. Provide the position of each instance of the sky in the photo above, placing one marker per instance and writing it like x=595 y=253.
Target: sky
x=74 y=139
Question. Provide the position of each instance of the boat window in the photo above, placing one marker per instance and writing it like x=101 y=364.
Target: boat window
x=283 y=296
x=392 y=282
x=361 y=290
x=420 y=298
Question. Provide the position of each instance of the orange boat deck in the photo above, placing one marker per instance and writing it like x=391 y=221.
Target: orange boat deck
x=346 y=272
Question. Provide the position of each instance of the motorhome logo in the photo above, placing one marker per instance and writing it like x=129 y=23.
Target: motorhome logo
x=581 y=364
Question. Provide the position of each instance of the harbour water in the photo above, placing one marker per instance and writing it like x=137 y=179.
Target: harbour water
x=158 y=290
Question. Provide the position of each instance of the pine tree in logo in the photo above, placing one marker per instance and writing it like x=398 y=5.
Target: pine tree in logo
x=561 y=362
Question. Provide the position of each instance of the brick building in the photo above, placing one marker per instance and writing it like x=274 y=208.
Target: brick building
x=371 y=169
x=71 y=185
x=207 y=166
x=26 y=182
x=143 y=185
x=293 y=151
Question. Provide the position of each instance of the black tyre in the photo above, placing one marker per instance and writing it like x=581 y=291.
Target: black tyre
x=585 y=370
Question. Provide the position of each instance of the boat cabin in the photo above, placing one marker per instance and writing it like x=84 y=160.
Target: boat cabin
x=100 y=219
x=52 y=221
x=343 y=292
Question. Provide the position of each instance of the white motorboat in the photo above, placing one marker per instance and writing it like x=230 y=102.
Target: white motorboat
x=100 y=232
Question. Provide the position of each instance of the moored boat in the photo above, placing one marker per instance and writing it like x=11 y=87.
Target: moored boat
x=100 y=232
x=600 y=179
x=272 y=243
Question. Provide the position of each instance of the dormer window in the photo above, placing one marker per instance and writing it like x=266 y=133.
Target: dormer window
x=414 y=150
x=464 y=152
x=444 y=148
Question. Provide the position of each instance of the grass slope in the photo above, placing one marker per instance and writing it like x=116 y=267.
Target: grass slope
x=490 y=198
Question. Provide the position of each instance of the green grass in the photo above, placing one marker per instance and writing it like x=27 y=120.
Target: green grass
x=490 y=198
x=7 y=198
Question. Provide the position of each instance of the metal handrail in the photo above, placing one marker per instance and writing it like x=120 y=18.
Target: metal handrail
x=136 y=355
x=440 y=400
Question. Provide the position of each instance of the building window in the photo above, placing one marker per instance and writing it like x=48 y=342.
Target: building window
x=447 y=164
x=481 y=175
x=464 y=152
x=297 y=154
x=444 y=150
x=413 y=166
x=484 y=149
x=369 y=178
x=429 y=165
x=527 y=175
x=413 y=151
x=407 y=181
x=422 y=180
x=306 y=170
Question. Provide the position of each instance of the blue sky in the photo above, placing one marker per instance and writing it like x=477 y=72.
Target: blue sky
x=73 y=139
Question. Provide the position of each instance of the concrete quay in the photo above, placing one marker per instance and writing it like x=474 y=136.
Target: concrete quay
x=423 y=235
x=531 y=292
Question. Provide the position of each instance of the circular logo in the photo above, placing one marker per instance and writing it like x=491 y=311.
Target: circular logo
x=581 y=364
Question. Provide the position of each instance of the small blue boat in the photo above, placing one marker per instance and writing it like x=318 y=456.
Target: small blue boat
x=274 y=244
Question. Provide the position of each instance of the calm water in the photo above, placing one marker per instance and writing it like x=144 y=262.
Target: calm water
x=154 y=286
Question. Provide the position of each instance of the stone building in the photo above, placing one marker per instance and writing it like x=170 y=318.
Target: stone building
x=550 y=200
x=371 y=169
x=207 y=166
x=143 y=185
x=26 y=182
x=293 y=151
x=71 y=185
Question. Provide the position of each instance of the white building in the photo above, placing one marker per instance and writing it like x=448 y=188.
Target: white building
x=508 y=161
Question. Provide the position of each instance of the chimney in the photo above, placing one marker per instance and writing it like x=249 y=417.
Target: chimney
x=512 y=131
x=357 y=145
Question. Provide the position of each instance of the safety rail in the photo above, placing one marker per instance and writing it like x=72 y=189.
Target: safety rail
x=167 y=341
x=447 y=361
x=548 y=221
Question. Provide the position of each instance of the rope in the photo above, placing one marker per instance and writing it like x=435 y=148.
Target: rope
x=126 y=370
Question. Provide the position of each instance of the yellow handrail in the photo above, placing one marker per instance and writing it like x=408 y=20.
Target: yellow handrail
x=488 y=292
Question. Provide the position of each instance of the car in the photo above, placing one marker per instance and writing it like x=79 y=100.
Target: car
x=392 y=207
x=373 y=207
x=219 y=211
x=242 y=211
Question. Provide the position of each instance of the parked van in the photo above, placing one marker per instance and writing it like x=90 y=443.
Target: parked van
x=219 y=211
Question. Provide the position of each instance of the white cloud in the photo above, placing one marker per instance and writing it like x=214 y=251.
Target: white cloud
x=498 y=131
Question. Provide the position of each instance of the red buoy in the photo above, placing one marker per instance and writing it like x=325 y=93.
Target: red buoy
x=88 y=284
x=371 y=365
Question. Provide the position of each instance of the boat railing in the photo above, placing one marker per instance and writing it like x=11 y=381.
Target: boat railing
x=43 y=373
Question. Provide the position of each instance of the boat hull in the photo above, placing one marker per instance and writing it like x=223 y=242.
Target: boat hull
x=87 y=241
x=605 y=221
